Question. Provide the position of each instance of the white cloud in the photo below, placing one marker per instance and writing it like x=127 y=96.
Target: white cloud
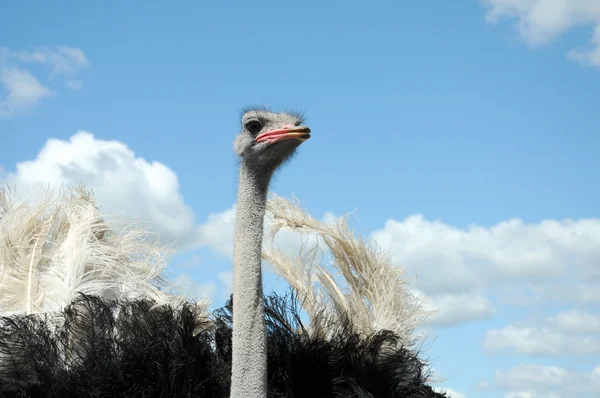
x=123 y=183
x=559 y=291
x=23 y=90
x=449 y=259
x=541 y=21
x=539 y=341
x=62 y=60
x=217 y=232
x=536 y=381
x=520 y=263
x=454 y=309
x=193 y=262
x=591 y=54
x=577 y=321
x=586 y=293
x=572 y=332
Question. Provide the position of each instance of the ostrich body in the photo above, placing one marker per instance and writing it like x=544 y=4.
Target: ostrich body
x=266 y=141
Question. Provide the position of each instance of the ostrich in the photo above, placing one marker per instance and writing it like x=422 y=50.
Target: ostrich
x=266 y=141
x=156 y=345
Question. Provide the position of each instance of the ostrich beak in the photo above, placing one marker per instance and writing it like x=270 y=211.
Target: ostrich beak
x=301 y=133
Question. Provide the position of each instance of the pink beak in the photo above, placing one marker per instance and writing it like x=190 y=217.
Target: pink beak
x=301 y=133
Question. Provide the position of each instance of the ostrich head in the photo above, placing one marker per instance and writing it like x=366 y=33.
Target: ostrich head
x=269 y=139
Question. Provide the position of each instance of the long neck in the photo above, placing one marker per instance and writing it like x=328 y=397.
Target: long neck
x=249 y=345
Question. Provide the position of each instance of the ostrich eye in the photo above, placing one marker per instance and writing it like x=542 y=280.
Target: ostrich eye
x=253 y=127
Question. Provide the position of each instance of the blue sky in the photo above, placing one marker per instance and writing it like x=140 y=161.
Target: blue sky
x=467 y=113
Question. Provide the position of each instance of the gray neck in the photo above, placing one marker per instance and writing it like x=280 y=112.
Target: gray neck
x=249 y=345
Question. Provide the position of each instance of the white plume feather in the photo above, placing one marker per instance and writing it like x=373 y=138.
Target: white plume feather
x=376 y=295
x=55 y=246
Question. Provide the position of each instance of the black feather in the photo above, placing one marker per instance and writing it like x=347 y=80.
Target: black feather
x=100 y=348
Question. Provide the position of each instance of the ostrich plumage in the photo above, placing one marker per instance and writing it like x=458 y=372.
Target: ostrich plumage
x=129 y=348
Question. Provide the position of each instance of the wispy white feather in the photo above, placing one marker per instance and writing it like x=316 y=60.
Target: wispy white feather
x=372 y=290
x=54 y=246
